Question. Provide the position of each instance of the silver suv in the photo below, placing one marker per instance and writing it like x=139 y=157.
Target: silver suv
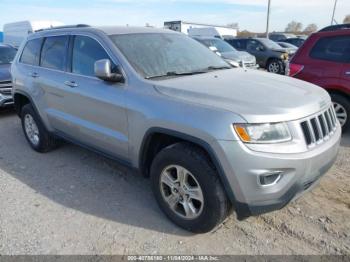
x=211 y=137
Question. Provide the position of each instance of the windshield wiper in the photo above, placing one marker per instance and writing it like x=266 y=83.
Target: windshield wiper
x=206 y=70
x=218 y=67
x=173 y=73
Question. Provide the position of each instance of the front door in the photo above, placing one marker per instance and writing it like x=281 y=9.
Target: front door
x=96 y=108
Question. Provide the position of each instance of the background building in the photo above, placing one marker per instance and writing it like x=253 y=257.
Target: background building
x=184 y=27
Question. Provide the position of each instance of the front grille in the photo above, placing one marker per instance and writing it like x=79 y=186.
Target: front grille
x=320 y=127
x=249 y=65
x=5 y=87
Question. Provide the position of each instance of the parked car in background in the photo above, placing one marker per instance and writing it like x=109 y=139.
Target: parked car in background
x=291 y=49
x=280 y=36
x=209 y=136
x=229 y=53
x=298 y=42
x=268 y=54
x=324 y=60
x=7 y=54
x=15 y=33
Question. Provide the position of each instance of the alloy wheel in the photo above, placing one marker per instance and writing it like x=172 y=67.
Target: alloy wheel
x=341 y=113
x=31 y=129
x=181 y=191
x=274 y=67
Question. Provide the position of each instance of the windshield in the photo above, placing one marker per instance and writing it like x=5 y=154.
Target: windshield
x=164 y=54
x=269 y=43
x=7 y=54
x=220 y=45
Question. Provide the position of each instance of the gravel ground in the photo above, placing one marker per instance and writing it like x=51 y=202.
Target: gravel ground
x=72 y=201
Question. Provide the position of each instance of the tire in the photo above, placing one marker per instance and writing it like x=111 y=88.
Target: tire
x=36 y=134
x=275 y=66
x=215 y=207
x=342 y=110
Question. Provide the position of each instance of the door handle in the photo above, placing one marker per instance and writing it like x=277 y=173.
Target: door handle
x=70 y=83
x=34 y=74
x=347 y=73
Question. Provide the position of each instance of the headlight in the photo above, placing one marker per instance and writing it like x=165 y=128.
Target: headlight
x=263 y=133
x=284 y=56
x=233 y=63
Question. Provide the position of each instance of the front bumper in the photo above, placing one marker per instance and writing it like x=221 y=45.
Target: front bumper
x=300 y=173
x=5 y=100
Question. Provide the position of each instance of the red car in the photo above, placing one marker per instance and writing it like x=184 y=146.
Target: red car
x=324 y=60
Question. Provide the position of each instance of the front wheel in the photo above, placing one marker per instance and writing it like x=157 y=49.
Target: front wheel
x=35 y=132
x=342 y=110
x=187 y=188
x=275 y=66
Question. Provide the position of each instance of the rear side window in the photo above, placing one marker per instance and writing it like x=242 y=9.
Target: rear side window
x=239 y=44
x=86 y=51
x=54 y=52
x=335 y=49
x=31 y=52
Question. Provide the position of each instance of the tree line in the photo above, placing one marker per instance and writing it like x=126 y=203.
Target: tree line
x=292 y=27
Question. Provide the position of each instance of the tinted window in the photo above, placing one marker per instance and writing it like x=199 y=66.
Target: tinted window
x=254 y=45
x=336 y=49
x=31 y=52
x=239 y=44
x=53 y=52
x=86 y=51
x=7 y=54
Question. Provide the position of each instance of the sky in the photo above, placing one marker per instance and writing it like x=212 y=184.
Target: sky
x=249 y=14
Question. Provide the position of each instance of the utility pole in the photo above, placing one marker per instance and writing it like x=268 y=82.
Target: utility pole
x=268 y=19
x=335 y=6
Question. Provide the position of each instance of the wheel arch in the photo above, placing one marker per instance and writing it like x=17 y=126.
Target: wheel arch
x=146 y=156
x=337 y=91
x=22 y=98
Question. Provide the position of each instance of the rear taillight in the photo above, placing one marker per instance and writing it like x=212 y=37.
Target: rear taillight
x=295 y=69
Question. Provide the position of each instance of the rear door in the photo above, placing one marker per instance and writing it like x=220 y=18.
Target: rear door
x=51 y=76
x=93 y=110
x=28 y=66
x=325 y=66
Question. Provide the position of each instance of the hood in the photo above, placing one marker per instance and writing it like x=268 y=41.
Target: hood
x=237 y=56
x=281 y=50
x=291 y=50
x=256 y=96
x=5 y=72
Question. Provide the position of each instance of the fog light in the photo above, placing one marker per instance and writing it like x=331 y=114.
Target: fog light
x=270 y=178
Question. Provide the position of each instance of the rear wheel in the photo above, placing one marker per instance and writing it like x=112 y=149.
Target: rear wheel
x=342 y=110
x=275 y=66
x=187 y=188
x=35 y=132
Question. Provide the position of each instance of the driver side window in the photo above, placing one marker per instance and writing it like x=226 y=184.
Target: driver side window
x=86 y=51
x=254 y=45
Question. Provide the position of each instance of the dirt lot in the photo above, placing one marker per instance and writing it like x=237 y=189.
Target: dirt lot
x=72 y=201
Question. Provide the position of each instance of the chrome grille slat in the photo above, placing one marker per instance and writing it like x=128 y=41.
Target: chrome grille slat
x=312 y=132
x=6 y=91
x=319 y=127
x=325 y=123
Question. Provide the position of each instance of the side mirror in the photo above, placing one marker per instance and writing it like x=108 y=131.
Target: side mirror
x=261 y=49
x=103 y=70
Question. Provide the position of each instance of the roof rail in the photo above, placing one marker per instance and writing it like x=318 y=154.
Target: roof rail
x=62 y=27
x=335 y=27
